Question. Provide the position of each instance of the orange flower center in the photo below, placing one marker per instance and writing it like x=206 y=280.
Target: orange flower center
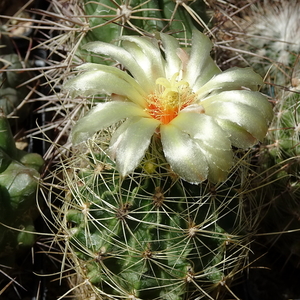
x=169 y=98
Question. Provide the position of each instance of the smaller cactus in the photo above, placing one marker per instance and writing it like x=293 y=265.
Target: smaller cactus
x=280 y=171
x=18 y=186
x=270 y=37
x=277 y=38
x=274 y=39
x=284 y=132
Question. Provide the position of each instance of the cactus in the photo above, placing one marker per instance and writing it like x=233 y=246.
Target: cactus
x=147 y=223
x=270 y=43
x=270 y=39
x=276 y=40
x=109 y=20
x=277 y=37
x=279 y=167
x=166 y=220
x=18 y=187
x=19 y=170
x=150 y=235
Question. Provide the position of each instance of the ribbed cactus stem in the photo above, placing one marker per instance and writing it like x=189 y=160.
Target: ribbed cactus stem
x=150 y=236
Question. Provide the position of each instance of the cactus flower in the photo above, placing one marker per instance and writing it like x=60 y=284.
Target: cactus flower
x=178 y=94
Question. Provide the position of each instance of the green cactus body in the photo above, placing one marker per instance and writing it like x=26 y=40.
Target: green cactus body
x=280 y=169
x=284 y=132
x=19 y=177
x=139 y=231
x=271 y=45
x=109 y=20
x=150 y=236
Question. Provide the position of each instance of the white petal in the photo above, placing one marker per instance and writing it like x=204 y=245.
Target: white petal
x=250 y=98
x=239 y=137
x=125 y=58
x=211 y=138
x=243 y=115
x=102 y=116
x=174 y=64
x=113 y=70
x=209 y=70
x=130 y=142
x=200 y=63
x=204 y=128
x=148 y=55
x=99 y=82
x=231 y=79
x=183 y=154
x=219 y=161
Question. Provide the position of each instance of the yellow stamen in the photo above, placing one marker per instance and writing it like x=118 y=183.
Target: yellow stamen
x=169 y=98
